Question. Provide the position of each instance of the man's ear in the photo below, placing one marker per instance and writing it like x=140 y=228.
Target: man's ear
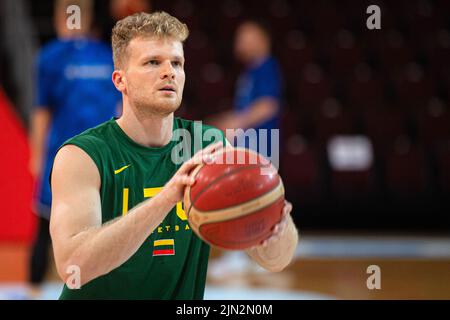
x=119 y=80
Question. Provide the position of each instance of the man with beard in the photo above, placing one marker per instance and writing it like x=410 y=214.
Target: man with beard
x=117 y=220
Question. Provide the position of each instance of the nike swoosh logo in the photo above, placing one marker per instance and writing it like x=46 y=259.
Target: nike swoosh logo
x=121 y=169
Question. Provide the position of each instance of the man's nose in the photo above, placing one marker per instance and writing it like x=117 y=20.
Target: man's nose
x=167 y=70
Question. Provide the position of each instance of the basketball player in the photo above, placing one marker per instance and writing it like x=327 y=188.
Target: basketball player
x=116 y=212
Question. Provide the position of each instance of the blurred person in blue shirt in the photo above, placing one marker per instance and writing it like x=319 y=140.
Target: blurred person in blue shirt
x=258 y=96
x=74 y=92
x=258 y=106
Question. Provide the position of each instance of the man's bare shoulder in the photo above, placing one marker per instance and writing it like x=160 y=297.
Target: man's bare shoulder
x=72 y=152
x=72 y=163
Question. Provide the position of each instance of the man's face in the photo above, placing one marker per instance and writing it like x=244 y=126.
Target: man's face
x=248 y=42
x=155 y=74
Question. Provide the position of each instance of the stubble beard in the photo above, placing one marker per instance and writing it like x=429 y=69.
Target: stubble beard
x=149 y=108
x=146 y=106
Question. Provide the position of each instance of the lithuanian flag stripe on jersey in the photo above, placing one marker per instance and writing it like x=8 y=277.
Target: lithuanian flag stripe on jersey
x=164 y=247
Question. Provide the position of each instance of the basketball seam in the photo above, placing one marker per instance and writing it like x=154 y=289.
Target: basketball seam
x=243 y=203
x=249 y=213
x=244 y=215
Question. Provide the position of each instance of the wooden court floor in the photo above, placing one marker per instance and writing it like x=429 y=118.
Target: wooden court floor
x=347 y=278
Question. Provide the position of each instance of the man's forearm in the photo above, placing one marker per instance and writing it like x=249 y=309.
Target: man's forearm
x=278 y=254
x=259 y=112
x=38 y=135
x=97 y=251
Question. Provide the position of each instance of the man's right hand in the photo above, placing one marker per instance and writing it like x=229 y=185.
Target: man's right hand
x=173 y=191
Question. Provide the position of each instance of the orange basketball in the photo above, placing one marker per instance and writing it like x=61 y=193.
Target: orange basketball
x=236 y=200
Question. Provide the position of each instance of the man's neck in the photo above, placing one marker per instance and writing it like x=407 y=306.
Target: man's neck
x=150 y=131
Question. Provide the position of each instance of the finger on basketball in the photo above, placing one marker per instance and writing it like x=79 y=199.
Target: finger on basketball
x=287 y=208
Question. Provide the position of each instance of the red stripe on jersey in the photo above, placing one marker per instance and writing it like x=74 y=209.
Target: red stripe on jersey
x=163 y=252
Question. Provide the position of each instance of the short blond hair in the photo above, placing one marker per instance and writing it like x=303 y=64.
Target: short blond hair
x=158 y=24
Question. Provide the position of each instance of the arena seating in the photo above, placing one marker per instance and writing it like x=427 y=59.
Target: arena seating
x=390 y=86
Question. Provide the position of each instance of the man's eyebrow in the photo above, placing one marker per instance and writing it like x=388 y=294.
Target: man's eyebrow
x=157 y=57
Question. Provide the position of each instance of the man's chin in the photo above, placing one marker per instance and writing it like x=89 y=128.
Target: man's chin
x=156 y=106
x=164 y=108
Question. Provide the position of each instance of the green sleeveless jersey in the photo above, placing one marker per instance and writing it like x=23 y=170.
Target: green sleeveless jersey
x=172 y=262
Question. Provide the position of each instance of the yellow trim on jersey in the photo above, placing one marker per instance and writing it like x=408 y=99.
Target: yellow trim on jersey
x=125 y=201
x=151 y=192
